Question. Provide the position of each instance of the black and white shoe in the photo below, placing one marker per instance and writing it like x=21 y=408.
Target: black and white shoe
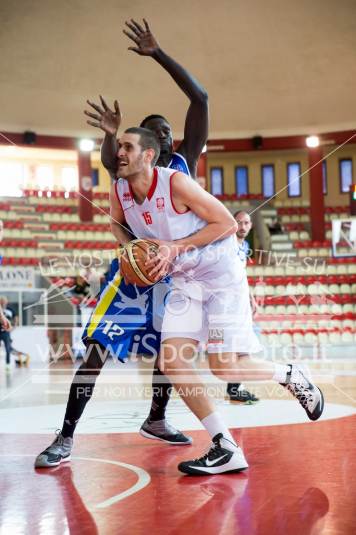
x=58 y=452
x=162 y=430
x=218 y=460
x=309 y=395
x=237 y=392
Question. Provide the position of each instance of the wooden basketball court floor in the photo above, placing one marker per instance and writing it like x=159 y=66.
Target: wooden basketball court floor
x=301 y=478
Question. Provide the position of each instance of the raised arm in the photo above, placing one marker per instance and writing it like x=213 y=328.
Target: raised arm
x=197 y=118
x=108 y=121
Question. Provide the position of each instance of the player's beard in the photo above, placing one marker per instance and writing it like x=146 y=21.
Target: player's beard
x=132 y=169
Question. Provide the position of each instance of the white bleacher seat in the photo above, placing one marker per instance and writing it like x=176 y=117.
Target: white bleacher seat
x=292 y=289
x=348 y=323
x=304 y=235
x=310 y=338
x=298 y=338
x=269 y=309
x=341 y=269
x=269 y=271
x=279 y=271
x=332 y=269
x=348 y=307
x=258 y=271
x=345 y=288
x=292 y=309
x=337 y=309
x=273 y=339
x=301 y=289
x=335 y=338
x=347 y=337
x=323 y=338
x=285 y=338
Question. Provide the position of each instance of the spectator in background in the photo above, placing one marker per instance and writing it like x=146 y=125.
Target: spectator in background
x=237 y=391
x=276 y=226
x=1 y=237
x=6 y=315
x=81 y=289
x=201 y=181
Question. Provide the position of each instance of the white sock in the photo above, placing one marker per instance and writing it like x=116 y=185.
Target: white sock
x=215 y=425
x=280 y=373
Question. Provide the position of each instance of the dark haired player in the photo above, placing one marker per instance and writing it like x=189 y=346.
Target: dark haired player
x=184 y=159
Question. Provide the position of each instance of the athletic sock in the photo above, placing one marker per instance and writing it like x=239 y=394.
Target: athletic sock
x=282 y=373
x=82 y=387
x=161 y=393
x=215 y=425
x=80 y=392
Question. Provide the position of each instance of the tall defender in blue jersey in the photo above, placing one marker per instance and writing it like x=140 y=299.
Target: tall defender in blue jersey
x=126 y=300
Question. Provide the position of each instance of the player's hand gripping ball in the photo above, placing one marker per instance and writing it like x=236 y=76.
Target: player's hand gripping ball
x=132 y=262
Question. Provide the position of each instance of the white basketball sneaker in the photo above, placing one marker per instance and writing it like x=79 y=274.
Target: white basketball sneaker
x=220 y=459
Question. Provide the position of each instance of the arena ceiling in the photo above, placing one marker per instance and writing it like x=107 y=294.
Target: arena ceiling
x=271 y=67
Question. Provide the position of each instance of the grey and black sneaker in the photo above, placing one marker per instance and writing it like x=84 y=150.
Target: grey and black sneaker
x=309 y=395
x=162 y=430
x=218 y=460
x=58 y=452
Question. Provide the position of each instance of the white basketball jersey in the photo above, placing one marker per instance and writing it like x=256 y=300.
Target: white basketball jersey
x=157 y=217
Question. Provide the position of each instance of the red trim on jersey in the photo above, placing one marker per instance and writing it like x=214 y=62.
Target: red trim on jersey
x=153 y=185
x=171 y=195
x=118 y=198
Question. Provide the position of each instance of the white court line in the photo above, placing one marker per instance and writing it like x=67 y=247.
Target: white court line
x=344 y=393
x=143 y=478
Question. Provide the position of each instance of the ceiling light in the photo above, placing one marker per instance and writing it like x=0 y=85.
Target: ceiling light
x=86 y=145
x=312 y=141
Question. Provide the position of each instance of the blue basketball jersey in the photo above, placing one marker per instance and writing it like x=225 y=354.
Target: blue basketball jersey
x=179 y=163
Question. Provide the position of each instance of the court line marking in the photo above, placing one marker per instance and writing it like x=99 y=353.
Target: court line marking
x=344 y=393
x=143 y=478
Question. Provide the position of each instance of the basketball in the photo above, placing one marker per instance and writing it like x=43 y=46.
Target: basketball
x=133 y=259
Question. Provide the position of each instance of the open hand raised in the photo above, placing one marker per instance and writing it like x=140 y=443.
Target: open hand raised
x=143 y=37
x=105 y=118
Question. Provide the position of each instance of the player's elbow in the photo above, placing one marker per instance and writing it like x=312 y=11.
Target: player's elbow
x=230 y=226
x=202 y=97
x=113 y=227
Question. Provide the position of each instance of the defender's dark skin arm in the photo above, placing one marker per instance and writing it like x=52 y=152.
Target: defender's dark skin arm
x=197 y=118
x=109 y=121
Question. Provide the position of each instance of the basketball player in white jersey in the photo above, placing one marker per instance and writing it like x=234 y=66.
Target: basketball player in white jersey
x=184 y=158
x=198 y=246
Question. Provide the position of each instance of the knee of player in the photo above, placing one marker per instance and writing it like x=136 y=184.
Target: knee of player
x=221 y=372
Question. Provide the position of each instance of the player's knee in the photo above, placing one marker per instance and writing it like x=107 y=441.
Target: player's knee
x=95 y=357
x=221 y=373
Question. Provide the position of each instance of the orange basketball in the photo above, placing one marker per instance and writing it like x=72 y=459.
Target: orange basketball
x=132 y=262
